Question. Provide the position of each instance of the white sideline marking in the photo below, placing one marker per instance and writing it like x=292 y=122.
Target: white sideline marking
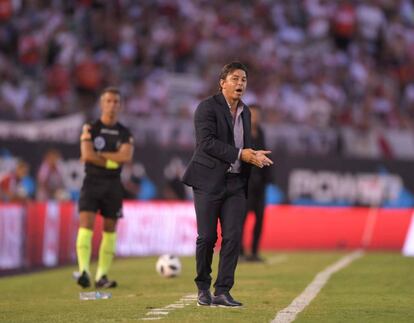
x=159 y=313
x=288 y=314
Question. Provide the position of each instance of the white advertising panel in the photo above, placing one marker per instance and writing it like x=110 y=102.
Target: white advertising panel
x=51 y=234
x=11 y=236
x=157 y=228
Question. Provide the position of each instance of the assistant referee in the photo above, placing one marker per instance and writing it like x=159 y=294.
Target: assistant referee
x=105 y=145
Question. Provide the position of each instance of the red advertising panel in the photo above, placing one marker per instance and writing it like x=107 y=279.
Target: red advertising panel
x=44 y=234
x=296 y=227
x=35 y=223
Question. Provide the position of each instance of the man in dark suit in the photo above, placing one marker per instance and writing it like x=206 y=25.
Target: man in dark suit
x=259 y=178
x=219 y=172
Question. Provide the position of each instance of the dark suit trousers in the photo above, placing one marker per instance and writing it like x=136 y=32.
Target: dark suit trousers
x=229 y=208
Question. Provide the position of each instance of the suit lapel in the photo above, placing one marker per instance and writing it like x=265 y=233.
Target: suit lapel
x=229 y=118
x=227 y=114
x=245 y=118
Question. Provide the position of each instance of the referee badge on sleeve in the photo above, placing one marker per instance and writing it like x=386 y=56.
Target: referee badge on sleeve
x=99 y=143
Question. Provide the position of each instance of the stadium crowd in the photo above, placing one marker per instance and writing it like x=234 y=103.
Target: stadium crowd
x=316 y=62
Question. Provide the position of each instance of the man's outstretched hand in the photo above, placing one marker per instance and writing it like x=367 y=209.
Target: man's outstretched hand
x=261 y=156
x=256 y=157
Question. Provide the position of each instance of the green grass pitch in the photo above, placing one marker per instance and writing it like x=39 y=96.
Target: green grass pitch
x=379 y=287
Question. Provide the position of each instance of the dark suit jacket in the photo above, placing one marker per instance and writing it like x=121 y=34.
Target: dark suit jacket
x=215 y=148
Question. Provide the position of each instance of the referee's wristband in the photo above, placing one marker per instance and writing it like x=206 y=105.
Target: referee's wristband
x=110 y=164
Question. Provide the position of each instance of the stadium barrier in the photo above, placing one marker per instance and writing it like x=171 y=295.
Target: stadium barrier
x=297 y=179
x=44 y=234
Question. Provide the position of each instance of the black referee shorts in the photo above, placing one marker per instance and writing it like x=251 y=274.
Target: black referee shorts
x=102 y=194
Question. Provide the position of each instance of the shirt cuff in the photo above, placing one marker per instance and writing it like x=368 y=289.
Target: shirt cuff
x=239 y=155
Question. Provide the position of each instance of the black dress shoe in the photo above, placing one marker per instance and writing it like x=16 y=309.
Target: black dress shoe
x=225 y=300
x=204 y=298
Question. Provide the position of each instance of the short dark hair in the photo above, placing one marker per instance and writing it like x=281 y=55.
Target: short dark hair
x=229 y=68
x=112 y=90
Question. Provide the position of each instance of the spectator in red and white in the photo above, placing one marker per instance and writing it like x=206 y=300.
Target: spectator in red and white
x=17 y=185
x=344 y=24
x=50 y=178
